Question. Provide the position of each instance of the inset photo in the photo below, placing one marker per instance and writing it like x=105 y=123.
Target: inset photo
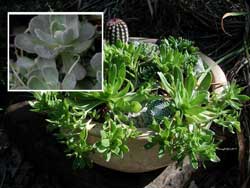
x=55 y=51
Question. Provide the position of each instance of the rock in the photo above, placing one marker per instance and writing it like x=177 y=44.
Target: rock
x=173 y=177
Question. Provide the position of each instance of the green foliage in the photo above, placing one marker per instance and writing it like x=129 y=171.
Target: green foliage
x=182 y=45
x=113 y=139
x=68 y=122
x=176 y=53
x=175 y=103
x=187 y=133
x=179 y=139
x=58 y=41
x=127 y=54
x=191 y=101
x=229 y=104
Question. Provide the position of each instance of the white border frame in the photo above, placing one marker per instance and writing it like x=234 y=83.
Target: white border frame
x=54 y=13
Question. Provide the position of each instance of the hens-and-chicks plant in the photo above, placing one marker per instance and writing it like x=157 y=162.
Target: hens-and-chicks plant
x=57 y=52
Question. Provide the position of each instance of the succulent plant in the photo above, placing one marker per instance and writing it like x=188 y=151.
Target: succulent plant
x=149 y=50
x=116 y=29
x=50 y=35
x=60 y=43
x=174 y=103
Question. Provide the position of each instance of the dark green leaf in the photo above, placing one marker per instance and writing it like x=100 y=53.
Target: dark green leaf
x=206 y=82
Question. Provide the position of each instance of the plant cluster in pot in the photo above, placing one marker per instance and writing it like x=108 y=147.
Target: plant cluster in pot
x=157 y=106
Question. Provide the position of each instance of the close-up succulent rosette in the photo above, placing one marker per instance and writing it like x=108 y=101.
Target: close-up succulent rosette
x=57 y=52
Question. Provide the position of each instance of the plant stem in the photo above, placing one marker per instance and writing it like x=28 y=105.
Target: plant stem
x=16 y=75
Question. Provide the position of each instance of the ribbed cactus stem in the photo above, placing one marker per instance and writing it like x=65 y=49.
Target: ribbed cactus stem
x=116 y=29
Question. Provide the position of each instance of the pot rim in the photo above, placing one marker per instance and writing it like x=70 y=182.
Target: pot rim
x=145 y=132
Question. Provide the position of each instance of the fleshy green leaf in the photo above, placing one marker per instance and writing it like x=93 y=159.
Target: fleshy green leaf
x=45 y=37
x=82 y=46
x=116 y=151
x=64 y=37
x=165 y=83
x=194 y=161
x=72 y=22
x=56 y=26
x=206 y=82
x=87 y=31
x=124 y=148
x=36 y=72
x=107 y=156
x=215 y=158
x=69 y=82
x=36 y=84
x=25 y=62
x=243 y=98
x=199 y=98
x=46 y=52
x=39 y=22
x=25 y=42
x=105 y=142
x=178 y=76
x=101 y=149
x=51 y=76
x=78 y=69
x=96 y=62
x=135 y=106
x=98 y=85
x=42 y=63
x=190 y=84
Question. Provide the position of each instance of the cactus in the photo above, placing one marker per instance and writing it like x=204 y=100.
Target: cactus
x=116 y=29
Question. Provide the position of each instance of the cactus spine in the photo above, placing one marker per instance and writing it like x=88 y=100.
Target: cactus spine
x=116 y=29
